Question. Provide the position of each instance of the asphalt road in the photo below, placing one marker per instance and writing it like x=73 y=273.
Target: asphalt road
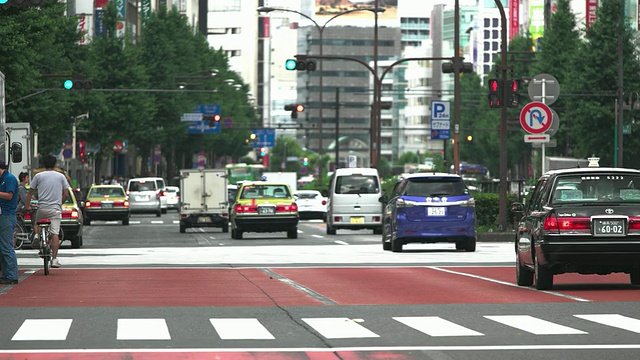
x=146 y=291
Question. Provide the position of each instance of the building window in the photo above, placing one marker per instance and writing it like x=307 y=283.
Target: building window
x=225 y=5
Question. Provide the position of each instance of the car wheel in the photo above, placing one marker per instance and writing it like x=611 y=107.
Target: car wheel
x=225 y=228
x=543 y=276
x=183 y=228
x=292 y=233
x=158 y=213
x=238 y=234
x=386 y=245
x=396 y=245
x=377 y=231
x=634 y=277
x=524 y=276
x=330 y=230
x=164 y=211
x=86 y=221
x=460 y=246
x=125 y=221
x=76 y=242
x=470 y=245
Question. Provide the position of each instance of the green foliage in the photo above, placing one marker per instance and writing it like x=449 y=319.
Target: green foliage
x=487 y=210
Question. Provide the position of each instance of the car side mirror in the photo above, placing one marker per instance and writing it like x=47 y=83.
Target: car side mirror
x=16 y=152
x=517 y=207
x=383 y=199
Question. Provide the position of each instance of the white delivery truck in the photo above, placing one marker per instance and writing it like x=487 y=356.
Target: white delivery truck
x=203 y=199
x=20 y=148
x=289 y=178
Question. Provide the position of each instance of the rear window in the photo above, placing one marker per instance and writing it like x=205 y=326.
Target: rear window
x=142 y=185
x=265 y=191
x=307 y=195
x=622 y=188
x=113 y=192
x=435 y=187
x=357 y=184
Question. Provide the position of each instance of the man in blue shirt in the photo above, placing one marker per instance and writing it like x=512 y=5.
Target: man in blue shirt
x=8 y=204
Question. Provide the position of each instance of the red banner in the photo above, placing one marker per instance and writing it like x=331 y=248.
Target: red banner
x=592 y=7
x=514 y=19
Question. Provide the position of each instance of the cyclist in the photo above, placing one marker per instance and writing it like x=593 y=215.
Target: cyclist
x=53 y=190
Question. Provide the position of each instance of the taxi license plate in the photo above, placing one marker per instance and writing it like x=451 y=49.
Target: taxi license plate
x=609 y=227
x=142 y=198
x=107 y=205
x=204 y=219
x=357 y=220
x=436 y=211
x=266 y=211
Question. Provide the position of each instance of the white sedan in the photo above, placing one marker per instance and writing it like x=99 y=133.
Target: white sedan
x=311 y=204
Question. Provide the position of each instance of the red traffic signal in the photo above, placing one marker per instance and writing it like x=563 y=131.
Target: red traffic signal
x=494 y=86
x=295 y=109
x=299 y=108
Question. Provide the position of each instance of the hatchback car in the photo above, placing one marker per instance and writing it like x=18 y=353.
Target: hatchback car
x=264 y=207
x=580 y=220
x=144 y=196
x=429 y=208
x=173 y=197
x=106 y=202
x=311 y=204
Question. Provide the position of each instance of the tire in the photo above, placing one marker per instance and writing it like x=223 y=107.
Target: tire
x=61 y=237
x=470 y=245
x=460 y=246
x=225 y=228
x=76 y=242
x=164 y=211
x=634 y=277
x=386 y=245
x=183 y=228
x=524 y=276
x=158 y=213
x=330 y=230
x=86 y=221
x=396 y=246
x=543 y=276
x=17 y=240
x=292 y=233
x=238 y=234
x=377 y=231
x=125 y=221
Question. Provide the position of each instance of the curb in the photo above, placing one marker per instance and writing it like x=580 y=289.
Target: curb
x=496 y=237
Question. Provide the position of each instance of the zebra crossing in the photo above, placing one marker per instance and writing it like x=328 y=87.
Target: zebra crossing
x=330 y=327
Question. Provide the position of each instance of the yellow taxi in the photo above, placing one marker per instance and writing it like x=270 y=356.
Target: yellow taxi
x=262 y=206
x=106 y=202
x=71 y=223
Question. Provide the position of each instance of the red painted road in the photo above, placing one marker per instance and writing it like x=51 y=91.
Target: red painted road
x=344 y=286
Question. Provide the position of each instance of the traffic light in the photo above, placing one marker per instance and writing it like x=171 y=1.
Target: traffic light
x=301 y=65
x=263 y=151
x=21 y=3
x=77 y=84
x=512 y=97
x=495 y=93
x=82 y=148
x=213 y=119
x=469 y=138
x=305 y=161
x=295 y=109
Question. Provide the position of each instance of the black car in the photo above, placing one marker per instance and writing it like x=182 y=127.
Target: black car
x=580 y=220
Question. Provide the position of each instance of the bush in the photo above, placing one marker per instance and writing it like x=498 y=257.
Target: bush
x=487 y=210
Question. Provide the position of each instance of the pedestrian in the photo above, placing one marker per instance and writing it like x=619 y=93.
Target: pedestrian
x=23 y=177
x=53 y=189
x=8 y=204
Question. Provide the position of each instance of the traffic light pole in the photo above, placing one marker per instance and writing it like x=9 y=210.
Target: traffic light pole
x=503 y=188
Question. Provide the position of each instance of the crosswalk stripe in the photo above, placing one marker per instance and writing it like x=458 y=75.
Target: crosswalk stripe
x=143 y=329
x=43 y=329
x=436 y=326
x=614 y=320
x=339 y=328
x=241 y=329
x=533 y=325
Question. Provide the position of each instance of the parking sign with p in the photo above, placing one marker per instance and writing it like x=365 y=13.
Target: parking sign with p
x=440 y=110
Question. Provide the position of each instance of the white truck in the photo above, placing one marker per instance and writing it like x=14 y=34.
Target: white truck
x=203 y=199
x=289 y=178
x=20 y=148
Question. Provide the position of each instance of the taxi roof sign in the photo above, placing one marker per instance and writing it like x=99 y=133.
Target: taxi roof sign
x=594 y=161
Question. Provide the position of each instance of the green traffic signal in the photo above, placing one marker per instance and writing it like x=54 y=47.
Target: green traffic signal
x=290 y=64
x=68 y=84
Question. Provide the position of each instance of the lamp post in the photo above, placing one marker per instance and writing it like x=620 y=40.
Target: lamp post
x=320 y=28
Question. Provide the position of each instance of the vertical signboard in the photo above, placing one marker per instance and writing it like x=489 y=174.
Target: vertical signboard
x=592 y=7
x=146 y=11
x=99 y=21
x=536 y=20
x=85 y=27
x=121 y=15
x=514 y=18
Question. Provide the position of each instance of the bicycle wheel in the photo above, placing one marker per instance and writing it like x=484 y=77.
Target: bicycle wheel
x=18 y=240
x=46 y=257
x=45 y=248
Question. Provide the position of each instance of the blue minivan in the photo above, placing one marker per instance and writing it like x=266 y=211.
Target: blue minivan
x=429 y=208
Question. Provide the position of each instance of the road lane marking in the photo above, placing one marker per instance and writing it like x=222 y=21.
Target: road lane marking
x=43 y=329
x=157 y=222
x=134 y=222
x=317 y=236
x=614 y=320
x=575 y=298
x=339 y=328
x=534 y=325
x=323 y=299
x=436 y=326
x=340 y=242
x=143 y=329
x=241 y=329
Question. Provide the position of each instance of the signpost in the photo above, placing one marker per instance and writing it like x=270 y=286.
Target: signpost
x=440 y=120
x=546 y=89
x=536 y=118
x=202 y=127
x=191 y=117
x=264 y=138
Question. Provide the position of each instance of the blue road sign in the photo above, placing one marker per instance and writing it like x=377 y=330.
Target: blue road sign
x=264 y=138
x=440 y=134
x=440 y=110
x=202 y=127
x=209 y=109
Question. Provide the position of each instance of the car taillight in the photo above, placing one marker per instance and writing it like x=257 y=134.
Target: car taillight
x=246 y=209
x=634 y=223
x=121 y=203
x=402 y=203
x=469 y=203
x=287 y=208
x=69 y=214
x=553 y=223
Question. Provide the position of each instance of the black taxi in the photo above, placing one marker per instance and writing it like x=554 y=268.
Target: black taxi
x=579 y=220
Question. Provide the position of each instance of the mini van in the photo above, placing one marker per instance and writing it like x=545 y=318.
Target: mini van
x=354 y=200
x=144 y=195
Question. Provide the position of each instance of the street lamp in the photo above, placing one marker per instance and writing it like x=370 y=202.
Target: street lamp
x=375 y=10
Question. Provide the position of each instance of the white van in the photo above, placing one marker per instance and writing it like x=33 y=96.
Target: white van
x=354 y=200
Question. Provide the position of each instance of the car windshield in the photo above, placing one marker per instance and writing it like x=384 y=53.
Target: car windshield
x=596 y=188
x=431 y=186
x=142 y=186
x=357 y=184
x=111 y=192
x=265 y=191
x=306 y=195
